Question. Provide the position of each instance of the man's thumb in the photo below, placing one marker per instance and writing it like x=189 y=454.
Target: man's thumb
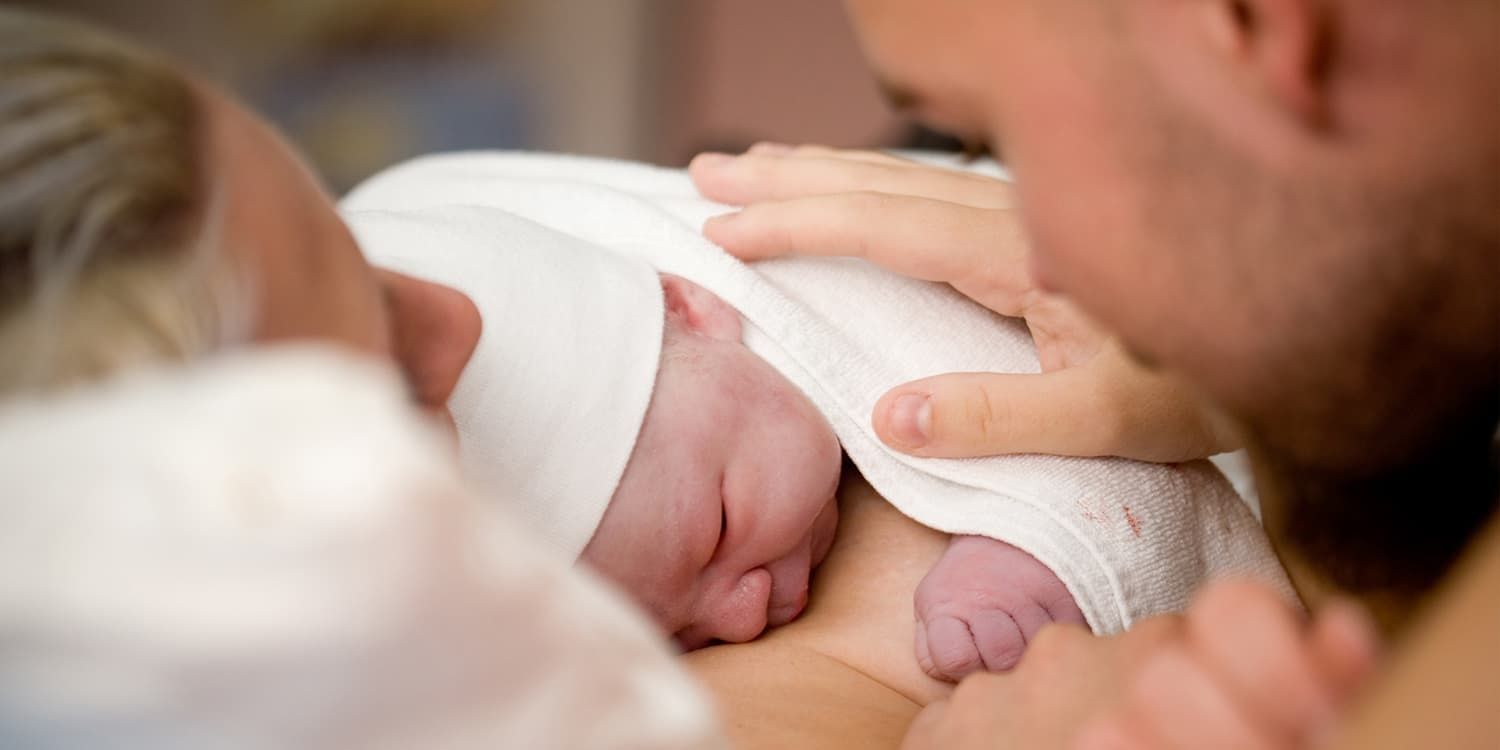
x=983 y=414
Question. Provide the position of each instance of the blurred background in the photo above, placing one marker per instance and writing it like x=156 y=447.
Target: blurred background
x=361 y=84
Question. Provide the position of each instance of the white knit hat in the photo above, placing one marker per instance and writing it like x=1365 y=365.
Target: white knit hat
x=550 y=406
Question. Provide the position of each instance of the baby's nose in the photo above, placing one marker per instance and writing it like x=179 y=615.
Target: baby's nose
x=739 y=615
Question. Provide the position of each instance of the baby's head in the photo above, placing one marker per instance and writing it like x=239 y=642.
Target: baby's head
x=727 y=502
x=619 y=413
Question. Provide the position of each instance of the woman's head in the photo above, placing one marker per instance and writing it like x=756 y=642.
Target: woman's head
x=102 y=198
x=145 y=217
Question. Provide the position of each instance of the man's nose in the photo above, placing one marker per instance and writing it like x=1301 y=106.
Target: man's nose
x=739 y=614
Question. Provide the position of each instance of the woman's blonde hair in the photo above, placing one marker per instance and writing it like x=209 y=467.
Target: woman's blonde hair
x=108 y=254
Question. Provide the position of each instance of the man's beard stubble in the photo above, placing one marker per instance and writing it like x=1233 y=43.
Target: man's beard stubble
x=1394 y=532
x=1385 y=464
x=1374 y=431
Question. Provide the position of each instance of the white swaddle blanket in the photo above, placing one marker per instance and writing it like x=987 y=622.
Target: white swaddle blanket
x=272 y=550
x=1128 y=539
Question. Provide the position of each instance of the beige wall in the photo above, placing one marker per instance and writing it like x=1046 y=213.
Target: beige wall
x=645 y=79
x=787 y=70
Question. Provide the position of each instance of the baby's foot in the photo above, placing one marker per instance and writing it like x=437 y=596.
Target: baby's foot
x=981 y=603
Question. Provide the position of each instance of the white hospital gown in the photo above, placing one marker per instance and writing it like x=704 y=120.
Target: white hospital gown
x=270 y=550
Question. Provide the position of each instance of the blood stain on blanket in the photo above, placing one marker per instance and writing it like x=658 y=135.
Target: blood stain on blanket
x=1135 y=523
x=1092 y=511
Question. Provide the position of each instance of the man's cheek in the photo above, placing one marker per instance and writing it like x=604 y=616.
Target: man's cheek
x=1049 y=227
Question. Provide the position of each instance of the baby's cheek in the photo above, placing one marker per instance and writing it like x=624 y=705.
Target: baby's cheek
x=810 y=445
x=825 y=530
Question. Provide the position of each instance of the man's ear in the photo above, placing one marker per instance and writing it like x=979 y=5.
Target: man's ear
x=1284 y=44
x=699 y=309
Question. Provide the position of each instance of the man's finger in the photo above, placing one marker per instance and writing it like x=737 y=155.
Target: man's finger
x=1179 y=704
x=1101 y=408
x=1156 y=416
x=1346 y=645
x=1112 y=731
x=1253 y=641
x=765 y=176
x=919 y=237
x=985 y=414
x=825 y=152
x=926 y=731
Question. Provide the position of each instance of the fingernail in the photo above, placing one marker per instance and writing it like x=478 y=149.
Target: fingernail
x=719 y=228
x=771 y=148
x=911 y=419
x=712 y=160
x=721 y=219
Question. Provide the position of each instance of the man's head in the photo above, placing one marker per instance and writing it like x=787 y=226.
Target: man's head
x=727 y=502
x=1293 y=202
x=145 y=217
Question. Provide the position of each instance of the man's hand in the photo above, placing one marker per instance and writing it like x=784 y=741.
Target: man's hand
x=1241 y=669
x=1248 y=673
x=956 y=227
x=1066 y=677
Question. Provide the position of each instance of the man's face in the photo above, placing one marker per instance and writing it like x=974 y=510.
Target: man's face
x=1043 y=83
x=1331 y=286
x=1266 y=261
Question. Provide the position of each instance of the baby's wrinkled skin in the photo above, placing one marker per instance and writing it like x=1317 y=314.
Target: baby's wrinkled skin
x=727 y=505
x=981 y=604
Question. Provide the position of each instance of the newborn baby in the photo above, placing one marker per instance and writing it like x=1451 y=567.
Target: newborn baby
x=725 y=502
x=681 y=441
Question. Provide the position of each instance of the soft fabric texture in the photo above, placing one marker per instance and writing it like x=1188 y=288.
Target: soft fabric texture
x=550 y=404
x=1129 y=539
x=273 y=550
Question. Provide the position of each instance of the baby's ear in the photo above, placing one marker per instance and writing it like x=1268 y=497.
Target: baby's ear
x=699 y=309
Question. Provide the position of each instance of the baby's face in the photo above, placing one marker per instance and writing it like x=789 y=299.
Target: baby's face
x=728 y=500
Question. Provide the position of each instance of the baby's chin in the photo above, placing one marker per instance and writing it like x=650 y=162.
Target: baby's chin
x=821 y=449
